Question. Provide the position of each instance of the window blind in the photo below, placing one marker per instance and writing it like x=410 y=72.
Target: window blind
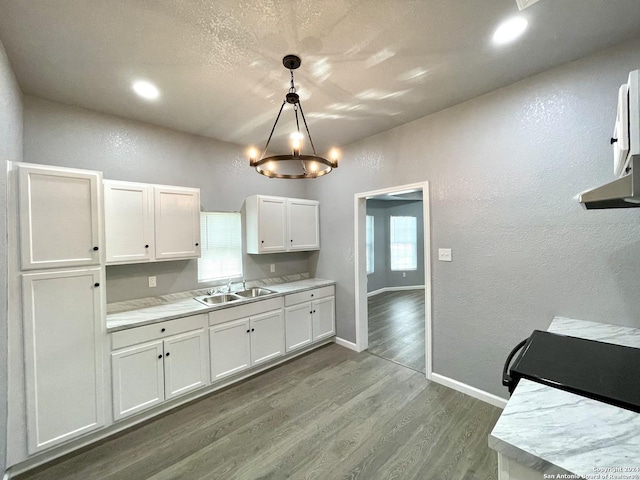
x=221 y=246
x=370 y=246
x=403 y=243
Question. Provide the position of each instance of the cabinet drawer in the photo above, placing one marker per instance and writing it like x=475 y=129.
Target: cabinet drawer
x=244 y=311
x=308 y=295
x=158 y=330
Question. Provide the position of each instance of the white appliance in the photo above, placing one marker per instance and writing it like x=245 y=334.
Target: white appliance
x=625 y=191
x=626 y=133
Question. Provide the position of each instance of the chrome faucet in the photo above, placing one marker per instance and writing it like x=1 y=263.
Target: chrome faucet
x=211 y=291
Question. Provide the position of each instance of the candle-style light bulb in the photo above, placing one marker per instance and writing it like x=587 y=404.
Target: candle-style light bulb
x=334 y=154
x=296 y=143
x=253 y=155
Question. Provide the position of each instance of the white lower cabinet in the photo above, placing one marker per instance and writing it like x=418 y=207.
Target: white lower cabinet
x=243 y=343
x=299 y=326
x=186 y=363
x=267 y=337
x=309 y=317
x=230 y=348
x=147 y=374
x=511 y=470
x=324 y=317
x=64 y=349
x=138 y=379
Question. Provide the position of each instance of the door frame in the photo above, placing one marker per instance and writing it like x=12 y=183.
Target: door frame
x=361 y=311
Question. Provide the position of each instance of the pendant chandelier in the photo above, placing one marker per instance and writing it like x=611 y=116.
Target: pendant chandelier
x=296 y=164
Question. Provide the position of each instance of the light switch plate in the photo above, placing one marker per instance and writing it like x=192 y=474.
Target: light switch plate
x=444 y=254
x=152 y=282
x=272 y=268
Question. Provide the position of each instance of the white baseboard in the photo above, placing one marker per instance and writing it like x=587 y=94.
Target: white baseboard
x=395 y=289
x=469 y=390
x=347 y=344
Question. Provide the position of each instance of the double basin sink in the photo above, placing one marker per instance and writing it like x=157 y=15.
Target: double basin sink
x=222 y=298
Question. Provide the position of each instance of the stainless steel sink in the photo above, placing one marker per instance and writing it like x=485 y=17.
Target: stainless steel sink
x=218 y=298
x=254 y=292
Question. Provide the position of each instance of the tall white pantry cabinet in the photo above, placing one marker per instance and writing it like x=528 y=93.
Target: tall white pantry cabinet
x=62 y=280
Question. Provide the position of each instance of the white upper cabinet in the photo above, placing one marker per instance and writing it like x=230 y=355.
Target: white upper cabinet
x=279 y=224
x=60 y=217
x=63 y=346
x=303 y=221
x=129 y=228
x=266 y=224
x=177 y=222
x=146 y=223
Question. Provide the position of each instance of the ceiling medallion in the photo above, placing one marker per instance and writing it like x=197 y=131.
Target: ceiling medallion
x=296 y=164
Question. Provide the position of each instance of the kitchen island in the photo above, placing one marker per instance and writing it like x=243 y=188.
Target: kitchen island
x=545 y=432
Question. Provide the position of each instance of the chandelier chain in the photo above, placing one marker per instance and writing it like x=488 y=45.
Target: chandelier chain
x=292 y=89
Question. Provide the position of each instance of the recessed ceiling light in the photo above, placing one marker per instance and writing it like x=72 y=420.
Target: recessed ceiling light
x=509 y=30
x=146 y=90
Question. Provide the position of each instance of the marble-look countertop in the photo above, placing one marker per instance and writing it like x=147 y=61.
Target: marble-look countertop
x=183 y=304
x=552 y=430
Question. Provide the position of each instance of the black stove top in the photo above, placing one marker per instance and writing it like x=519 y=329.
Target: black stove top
x=601 y=371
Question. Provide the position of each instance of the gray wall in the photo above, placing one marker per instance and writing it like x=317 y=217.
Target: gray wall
x=123 y=149
x=383 y=276
x=504 y=171
x=10 y=150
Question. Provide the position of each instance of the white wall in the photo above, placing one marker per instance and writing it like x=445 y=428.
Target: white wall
x=504 y=171
x=10 y=150
x=62 y=135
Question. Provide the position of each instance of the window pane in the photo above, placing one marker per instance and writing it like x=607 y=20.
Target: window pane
x=403 y=241
x=370 y=234
x=221 y=246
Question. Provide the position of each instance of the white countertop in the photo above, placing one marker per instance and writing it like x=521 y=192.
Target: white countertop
x=552 y=430
x=184 y=305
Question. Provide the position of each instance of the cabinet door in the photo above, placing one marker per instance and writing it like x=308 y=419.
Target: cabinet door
x=230 y=348
x=177 y=222
x=303 y=221
x=137 y=379
x=267 y=337
x=60 y=217
x=186 y=363
x=128 y=216
x=324 y=318
x=271 y=224
x=298 y=331
x=63 y=341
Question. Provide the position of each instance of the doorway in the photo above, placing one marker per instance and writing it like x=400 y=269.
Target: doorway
x=393 y=291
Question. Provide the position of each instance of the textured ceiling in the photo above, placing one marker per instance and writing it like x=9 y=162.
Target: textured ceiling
x=367 y=65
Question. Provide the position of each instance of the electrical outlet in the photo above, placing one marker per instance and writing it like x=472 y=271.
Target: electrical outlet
x=152 y=282
x=444 y=254
x=272 y=268
x=404 y=274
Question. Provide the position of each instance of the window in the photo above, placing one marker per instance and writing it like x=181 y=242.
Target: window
x=369 y=241
x=404 y=248
x=221 y=246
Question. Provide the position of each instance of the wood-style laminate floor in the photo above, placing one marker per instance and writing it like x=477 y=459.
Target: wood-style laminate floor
x=331 y=414
x=396 y=327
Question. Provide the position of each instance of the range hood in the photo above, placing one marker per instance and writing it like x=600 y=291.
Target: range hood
x=621 y=193
x=625 y=191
